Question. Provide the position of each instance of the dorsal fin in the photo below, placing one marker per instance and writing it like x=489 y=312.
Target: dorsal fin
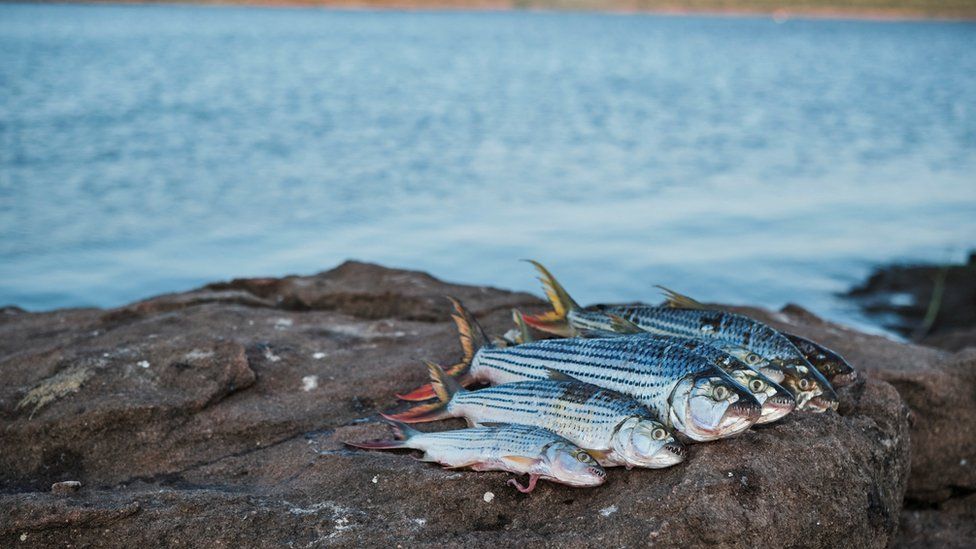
x=621 y=325
x=680 y=301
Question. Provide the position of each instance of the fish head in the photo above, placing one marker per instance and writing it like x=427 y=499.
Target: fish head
x=709 y=405
x=827 y=362
x=776 y=401
x=644 y=442
x=811 y=390
x=762 y=365
x=573 y=466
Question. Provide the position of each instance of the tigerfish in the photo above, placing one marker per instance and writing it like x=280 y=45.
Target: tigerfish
x=685 y=391
x=520 y=449
x=612 y=427
x=827 y=362
x=749 y=340
x=776 y=401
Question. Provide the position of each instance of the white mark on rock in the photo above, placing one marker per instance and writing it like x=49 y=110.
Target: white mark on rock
x=488 y=497
x=23 y=537
x=607 y=511
x=197 y=354
x=964 y=462
x=420 y=522
x=376 y=478
x=270 y=356
x=309 y=383
x=143 y=364
x=340 y=515
x=282 y=323
x=730 y=474
x=318 y=355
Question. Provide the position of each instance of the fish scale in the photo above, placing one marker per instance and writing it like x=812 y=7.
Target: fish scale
x=644 y=368
x=480 y=444
x=720 y=326
x=590 y=413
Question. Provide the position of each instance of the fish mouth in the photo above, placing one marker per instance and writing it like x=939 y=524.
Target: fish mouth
x=674 y=452
x=821 y=403
x=739 y=417
x=776 y=407
x=670 y=454
x=841 y=380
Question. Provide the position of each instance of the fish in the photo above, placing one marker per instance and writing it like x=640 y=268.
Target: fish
x=777 y=402
x=520 y=449
x=612 y=427
x=749 y=340
x=684 y=391
x=827 y=362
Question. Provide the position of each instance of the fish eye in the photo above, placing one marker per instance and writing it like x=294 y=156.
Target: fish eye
x=658 y=434
x=583 y=457
x=720 y=392
x=805 y=384
x=752 y=358
x=757 y=385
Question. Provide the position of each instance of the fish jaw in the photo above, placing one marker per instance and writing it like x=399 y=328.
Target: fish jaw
x=643 y=442
x=777 y=407
x=569 y=465
x=775 y=400
x=841 y=380
x=702 y=418
x=669 y=455
x=819 y=404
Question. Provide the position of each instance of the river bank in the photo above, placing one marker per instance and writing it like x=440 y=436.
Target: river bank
x=218 y=415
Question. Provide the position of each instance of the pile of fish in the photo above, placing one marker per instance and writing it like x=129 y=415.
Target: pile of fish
x=611 y=386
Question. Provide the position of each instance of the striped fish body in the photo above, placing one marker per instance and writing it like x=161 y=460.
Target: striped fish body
x=520 y=449
x=641 y=367
x=612 y=427
x=749 y=340
x=582 y=413
x=482 y=445
x=730 y=332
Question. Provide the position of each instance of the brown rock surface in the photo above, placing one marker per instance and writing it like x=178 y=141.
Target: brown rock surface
x=216 y=417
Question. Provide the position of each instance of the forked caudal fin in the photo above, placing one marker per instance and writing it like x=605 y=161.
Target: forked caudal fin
x=472 y=338
x=553 y=322
x=402 y=431
x=444 y=386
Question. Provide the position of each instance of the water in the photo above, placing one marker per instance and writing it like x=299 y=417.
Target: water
x=147 y=149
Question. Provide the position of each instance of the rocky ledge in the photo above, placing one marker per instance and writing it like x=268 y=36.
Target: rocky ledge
x=216 y=417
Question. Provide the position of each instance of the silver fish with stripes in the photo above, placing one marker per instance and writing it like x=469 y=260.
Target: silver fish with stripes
x=749 y=340
x=685 y=391
x=519 y=449
x=776 y=401
x=610 y=426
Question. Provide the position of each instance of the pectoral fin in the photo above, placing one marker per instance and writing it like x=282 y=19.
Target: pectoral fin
x=521 y=463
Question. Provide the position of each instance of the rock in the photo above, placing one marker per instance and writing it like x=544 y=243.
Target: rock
x=65 y=488
x=939 y=387
x=898 y=296
x=949 y=525
x=192 y=420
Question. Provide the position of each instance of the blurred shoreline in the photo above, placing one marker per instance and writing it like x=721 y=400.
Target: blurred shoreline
x=905 y=10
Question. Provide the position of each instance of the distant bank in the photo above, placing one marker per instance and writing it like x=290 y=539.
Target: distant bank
x=778 y=9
